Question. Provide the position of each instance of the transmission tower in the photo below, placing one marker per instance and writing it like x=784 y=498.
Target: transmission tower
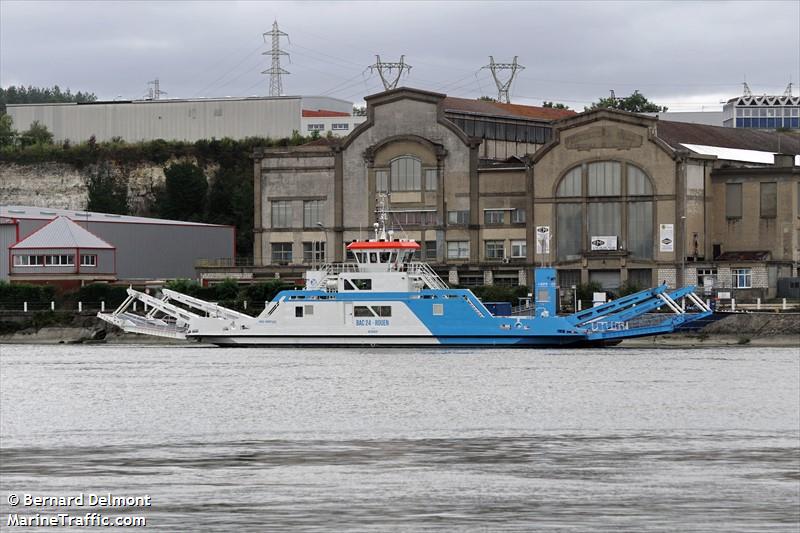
x=385 y=71
x=502 y=87
x=275 y=71
x=746 y=89
x=154 y=92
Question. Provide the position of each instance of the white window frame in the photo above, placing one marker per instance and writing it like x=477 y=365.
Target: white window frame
x=316 y=127
x=89 y=260
x=341 y=126
x=742 y=274
x=519 y=249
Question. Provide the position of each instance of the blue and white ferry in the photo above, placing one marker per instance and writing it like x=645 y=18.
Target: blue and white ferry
x=386 y=298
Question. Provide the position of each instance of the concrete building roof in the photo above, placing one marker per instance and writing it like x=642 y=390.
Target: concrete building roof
x=678 y=133
x=42 y=213
x=62 y=233
x=485 y=107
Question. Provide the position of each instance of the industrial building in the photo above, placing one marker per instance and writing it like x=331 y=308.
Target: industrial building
x=763 y=112
x=490 y=190
x=183 y=119
x=70 y=248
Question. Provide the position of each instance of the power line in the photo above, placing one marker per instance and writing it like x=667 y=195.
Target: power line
x=237 y=65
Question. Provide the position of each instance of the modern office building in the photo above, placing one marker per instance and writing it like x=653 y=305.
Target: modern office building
x=763 y=112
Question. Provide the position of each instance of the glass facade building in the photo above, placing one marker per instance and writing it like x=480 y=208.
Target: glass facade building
x=762 y=112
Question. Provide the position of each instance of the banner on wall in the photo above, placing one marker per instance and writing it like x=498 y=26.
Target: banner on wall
x=603 y=242
x=667 y=238
x=542 y=240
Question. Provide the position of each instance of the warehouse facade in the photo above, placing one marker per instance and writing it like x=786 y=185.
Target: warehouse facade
x=124 y=248
x=179 y=119
x=627 y=200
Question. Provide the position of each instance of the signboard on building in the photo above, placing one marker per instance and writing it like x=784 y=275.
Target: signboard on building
x=542 y=239
x=606 y=242
x=666 y=238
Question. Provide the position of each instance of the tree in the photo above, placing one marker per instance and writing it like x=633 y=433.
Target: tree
x=7 y=132
x=552 y=105
x=40 y=95
x=37 y=134
x=635 y=103
x=487 y=99
x=185 y=188
x=107 y=192
x=359 y=111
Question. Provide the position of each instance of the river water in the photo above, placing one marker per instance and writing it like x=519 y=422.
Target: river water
x=384 y=440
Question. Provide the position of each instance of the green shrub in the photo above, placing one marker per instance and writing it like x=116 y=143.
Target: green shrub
x=12 y=295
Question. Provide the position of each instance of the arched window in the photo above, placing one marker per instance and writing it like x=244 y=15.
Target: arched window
x=406 y=174
x=604 y=199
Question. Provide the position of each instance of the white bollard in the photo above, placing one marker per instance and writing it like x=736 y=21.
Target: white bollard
x=783 y=304
x=733 y=304
x=580 y=305
x=758 y=303
x=52 y=306
x=134 y=305
x=24 y=307
x=708 y=303
x=245 y=304
x=80 y=307
x=102 y=306
x=266 y=303
x=683 y=304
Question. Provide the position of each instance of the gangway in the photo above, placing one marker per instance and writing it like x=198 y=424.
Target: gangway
x=632 y=315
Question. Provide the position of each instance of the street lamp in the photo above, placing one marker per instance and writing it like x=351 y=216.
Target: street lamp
x=325 y=250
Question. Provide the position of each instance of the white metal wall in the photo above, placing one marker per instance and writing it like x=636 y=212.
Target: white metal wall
x=183 y=120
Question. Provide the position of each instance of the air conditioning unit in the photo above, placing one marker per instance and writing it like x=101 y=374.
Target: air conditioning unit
x=506 y=260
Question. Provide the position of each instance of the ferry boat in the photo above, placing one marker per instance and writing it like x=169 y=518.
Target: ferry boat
x=386 y=298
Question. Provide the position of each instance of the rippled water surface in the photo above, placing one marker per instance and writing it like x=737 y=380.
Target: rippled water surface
x=275 y=439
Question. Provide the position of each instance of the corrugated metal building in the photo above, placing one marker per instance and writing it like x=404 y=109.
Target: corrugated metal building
x=174 y=119
x=146 y=248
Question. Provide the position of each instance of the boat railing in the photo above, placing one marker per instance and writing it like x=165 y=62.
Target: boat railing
x=425 y=273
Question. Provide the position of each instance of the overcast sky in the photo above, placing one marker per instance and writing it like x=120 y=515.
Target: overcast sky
x=685 y=55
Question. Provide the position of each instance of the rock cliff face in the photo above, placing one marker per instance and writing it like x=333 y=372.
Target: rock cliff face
x=63 y=186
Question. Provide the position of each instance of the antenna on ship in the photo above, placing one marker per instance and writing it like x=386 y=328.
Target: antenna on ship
x=380 y=212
